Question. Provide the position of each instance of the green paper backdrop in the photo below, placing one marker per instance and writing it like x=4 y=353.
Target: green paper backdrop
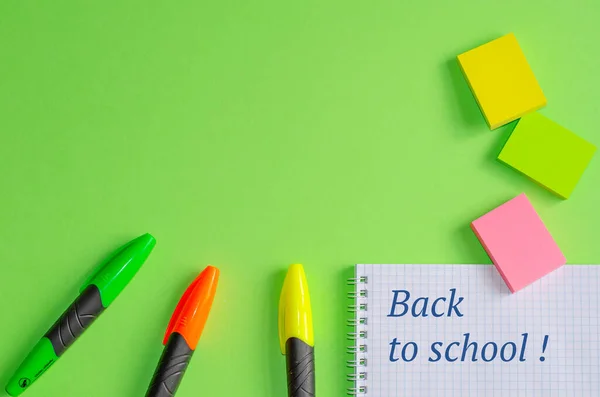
x=251 y=135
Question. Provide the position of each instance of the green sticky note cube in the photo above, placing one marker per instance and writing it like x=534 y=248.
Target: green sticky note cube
x=547 y=153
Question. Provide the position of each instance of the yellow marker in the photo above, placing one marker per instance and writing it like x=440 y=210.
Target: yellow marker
x=296 y=333
x=501 y=81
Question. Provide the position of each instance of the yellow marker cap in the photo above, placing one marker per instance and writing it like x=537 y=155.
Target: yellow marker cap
x=295 y=314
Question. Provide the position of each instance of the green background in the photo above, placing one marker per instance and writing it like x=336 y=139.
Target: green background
x=251 y=135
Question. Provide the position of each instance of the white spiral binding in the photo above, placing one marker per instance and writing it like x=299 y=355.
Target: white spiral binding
x=358 y=349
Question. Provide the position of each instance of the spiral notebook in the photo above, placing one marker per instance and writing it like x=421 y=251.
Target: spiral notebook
x=456 y=330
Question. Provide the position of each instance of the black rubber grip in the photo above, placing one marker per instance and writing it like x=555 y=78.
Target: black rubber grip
x=171 y=367
x=300 y=368
x=86 y=308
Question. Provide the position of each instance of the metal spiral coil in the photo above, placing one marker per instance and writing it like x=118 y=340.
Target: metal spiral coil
x=353 y=295
x=357 y=280
x=362 y=307
x=353 y=322
x=357 y=335
x=354 y=363
x=358 y=350
x=357 y=391
x=358 y=376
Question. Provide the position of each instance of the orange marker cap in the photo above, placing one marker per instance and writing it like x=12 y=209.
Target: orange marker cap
x=192 y=310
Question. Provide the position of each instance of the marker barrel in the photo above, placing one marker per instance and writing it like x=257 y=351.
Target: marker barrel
x=300 y=359
x=171 y=367
x=76 y=319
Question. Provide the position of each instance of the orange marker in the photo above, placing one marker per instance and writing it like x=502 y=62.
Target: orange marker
x=183 y=333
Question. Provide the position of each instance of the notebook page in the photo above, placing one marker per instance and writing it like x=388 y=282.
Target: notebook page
x=540 y=341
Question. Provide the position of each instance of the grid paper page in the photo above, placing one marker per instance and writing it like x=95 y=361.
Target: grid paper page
x=563 y=305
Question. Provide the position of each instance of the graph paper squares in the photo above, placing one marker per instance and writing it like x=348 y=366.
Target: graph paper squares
x=564 y=305
x=518 y=243
x=501 y=81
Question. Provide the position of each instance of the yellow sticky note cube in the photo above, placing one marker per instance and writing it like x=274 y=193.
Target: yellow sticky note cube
x=501 y=81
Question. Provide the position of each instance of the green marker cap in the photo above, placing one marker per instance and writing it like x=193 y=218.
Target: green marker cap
x=117 y=271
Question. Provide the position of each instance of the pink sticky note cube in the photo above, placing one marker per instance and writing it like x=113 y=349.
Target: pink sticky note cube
x=518 y=243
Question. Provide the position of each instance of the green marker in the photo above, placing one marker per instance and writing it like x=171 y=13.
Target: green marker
x=98 y=292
